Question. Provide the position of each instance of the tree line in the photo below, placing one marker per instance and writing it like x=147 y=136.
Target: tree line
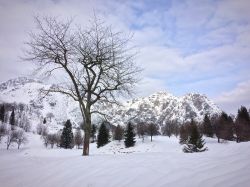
x=13 y=124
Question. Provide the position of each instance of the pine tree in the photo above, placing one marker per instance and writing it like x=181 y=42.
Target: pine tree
x=12 y=119
x=207 y=127
x=2 y=113
x=118 y=134
x=195 y=143
x=224 y=127
x=242 y=125
x=67 y=138
x=103 y=135
x=129 y=136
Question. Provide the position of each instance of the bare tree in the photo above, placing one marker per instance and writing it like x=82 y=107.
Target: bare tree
x=11 y=137
x=152 y=129
x=21 y=138
x=78 y=138
x=141 y=130
x=41 y=129
x=170 y=128
x=118 y=133
x=58 y=138
x=52 y=139
x=97 y=64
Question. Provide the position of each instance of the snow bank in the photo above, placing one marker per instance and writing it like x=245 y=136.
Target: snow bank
x=158 y=163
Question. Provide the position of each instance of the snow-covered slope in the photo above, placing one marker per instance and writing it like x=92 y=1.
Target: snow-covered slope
x=159 y=163
x=158 y=108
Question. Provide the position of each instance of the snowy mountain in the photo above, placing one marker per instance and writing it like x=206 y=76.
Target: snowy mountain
x=162 y=107
x=158 y=108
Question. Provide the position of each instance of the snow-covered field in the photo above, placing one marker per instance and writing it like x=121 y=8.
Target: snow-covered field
x=160 y=163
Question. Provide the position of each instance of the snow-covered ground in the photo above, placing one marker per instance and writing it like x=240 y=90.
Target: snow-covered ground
x=160 y=163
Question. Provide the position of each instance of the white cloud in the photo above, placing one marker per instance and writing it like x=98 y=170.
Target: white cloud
x=232 y=100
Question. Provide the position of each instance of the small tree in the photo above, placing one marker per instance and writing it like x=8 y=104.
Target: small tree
x=12 y=119
x=44 y=121
x=118 y=134
x=2 y=113
x=58 y=138
x=67 y=138
x=21 y=138
x=78 y=138
x=103 y=136
x=11 y=137
x=169 y=128
x=152 y=130
x=44 y=135
x=195 y=142
x=52 y=140
x=129 y=136
x=207 y=127
x=41 y=129
x=141 y=130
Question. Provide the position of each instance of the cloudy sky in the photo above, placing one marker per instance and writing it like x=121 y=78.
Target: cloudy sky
x=184 y=46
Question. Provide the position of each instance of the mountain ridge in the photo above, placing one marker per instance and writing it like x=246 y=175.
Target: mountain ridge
x=159 y=107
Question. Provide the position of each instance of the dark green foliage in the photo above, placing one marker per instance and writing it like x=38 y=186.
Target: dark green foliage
x=12 y=119
x=242 y=125
x=224 y=127
x=118 y=134
x=2 y=113
x=195 y=143
x=67 y=137
x=103 y=135
x=93 y=132
x=129 y=136
x=207 y=127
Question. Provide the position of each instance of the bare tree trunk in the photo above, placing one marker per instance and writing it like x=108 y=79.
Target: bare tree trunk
x=87 y=130
x=86 y=144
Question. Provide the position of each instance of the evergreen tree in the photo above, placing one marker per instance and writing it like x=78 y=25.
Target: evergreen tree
x=224 y=127
x=195 y=143
x=93 y=132
x=242 y=125
x=129 y=136
x=207 y=127
x=12 y=119
x=118 y=134
x=67 y=138
x=2 y=113
x=103 y=135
